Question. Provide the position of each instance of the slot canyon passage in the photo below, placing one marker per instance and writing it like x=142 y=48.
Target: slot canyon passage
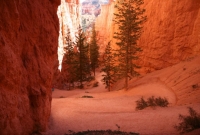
x=32 y=38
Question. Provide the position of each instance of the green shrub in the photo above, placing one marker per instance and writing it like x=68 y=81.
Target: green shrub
x=141 y=104
x=188 y=123
x=85 y=96
x=102 y=132
x=152 y=102
x=162 y=102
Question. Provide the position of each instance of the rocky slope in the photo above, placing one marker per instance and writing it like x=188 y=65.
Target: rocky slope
x=181 y=78
x=28 y=53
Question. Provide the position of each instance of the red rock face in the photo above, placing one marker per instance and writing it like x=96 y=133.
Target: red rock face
x=28 y=55
x=104 y=25
x=171 y=33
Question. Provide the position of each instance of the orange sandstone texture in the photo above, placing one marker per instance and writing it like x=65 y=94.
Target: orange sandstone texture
x=28 y=56
x=171 y=32
x=104 y=25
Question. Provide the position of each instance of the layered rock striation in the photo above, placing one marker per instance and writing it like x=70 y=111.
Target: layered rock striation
x=28 y=55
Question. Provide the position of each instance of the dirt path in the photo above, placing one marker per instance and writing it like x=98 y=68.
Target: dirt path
x=106 y=109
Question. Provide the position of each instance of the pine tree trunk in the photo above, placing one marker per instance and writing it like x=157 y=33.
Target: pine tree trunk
x=126 y=72
x=81 y=74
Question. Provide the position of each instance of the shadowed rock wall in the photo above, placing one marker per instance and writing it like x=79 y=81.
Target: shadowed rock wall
x=28 y=55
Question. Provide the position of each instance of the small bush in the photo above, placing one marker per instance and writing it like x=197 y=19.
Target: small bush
x=188 y=123
x=96 y=84
x=102 y=132
x=141 y=104
x=152 y=102
x=163 y=102
x=85 y=96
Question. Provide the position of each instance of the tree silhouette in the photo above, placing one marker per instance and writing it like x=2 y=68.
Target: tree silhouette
x=71 y=61
x=83 y=70
x=94 y=51
x=129 y=19
x=109 y=67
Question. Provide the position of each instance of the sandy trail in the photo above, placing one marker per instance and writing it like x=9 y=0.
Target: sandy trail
x=106 y=109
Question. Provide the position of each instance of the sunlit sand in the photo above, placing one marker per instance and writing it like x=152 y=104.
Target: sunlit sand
x=106 y=109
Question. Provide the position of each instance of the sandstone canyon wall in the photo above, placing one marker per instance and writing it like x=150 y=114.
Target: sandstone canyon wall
x=28 y=56
x=171 y=33
x=104 y=25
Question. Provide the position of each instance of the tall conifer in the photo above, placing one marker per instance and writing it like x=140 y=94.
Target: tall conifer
x=94 y=51
x=70 y=58
x=83 y=68
x=129 y=19
x=109 y=67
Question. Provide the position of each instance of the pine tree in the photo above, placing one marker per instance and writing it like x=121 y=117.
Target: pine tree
x=70 y=58
x=83 y=59
x=109 y=67
x=94 y=51
x=129 y=19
